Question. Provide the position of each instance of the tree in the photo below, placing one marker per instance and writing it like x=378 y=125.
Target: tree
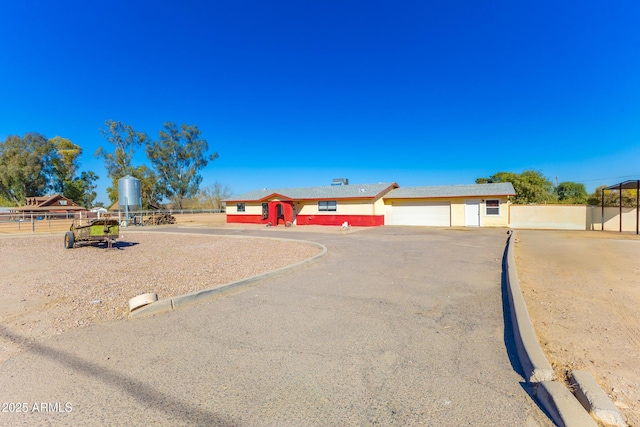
x=612 y=197
x=119 y=163
x=64 y=165
x=530 y=186
x=89 y=188
x=25 y=167
x=209 y=197
x=4 y=201
x=571 y=193
x=212 y=196
x=177 y=157
x=148 y=187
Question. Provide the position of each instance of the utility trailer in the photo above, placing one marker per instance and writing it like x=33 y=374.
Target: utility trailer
x=94 y=230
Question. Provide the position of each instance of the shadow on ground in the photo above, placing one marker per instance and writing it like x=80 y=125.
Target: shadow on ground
x=509 y=338
x=137 y=390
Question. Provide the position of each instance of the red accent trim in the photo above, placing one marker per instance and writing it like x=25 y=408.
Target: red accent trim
x=245 y=219
x=356 y=220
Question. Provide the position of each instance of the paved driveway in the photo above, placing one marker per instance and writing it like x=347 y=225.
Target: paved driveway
x=395 y=325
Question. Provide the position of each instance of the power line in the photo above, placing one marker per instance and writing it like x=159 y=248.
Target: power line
x=603 y=179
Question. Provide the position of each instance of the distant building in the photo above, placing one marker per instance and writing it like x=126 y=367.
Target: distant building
x=473 y=205
x=56 y=203
x=359 y=205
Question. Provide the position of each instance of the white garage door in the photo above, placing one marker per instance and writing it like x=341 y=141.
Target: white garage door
x=431 y=214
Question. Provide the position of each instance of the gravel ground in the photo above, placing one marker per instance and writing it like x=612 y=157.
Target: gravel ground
x=48 y=290
x=583 y=294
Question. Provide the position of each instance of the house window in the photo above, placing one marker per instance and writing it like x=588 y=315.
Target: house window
x=63 y=202
x=265 y=210
x=492 y=207
x=327 y=206
x=240 y=207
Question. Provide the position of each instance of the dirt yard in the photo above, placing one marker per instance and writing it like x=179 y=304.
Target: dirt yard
x=47 y=290
x=583 y=294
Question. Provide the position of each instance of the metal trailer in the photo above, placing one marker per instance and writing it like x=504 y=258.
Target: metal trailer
x=96 y=230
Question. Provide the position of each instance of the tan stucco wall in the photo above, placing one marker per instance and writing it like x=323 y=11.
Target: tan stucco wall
x=501 y=220
x=562 y=217
x=378 y=207
x=251 y=208
x=572 y=217
x=612 y=218
x=310 y=207
x=457 y=212
x=344 y=207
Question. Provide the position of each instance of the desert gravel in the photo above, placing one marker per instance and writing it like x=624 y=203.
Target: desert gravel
x=47 y=289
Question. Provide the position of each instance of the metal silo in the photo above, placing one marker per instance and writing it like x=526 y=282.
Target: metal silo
x=129 y=195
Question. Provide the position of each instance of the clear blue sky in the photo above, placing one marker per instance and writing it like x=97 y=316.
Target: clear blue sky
x=295 y=93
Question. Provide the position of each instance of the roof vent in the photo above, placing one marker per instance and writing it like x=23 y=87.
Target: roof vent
x=340 y=181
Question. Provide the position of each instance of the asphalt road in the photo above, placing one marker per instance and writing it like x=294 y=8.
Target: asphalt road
x=395 y=326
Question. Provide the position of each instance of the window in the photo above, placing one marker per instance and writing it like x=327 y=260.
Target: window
x=492 y=207
x=265 y=210
x=327 y=205
x=62 y=202
x=240 y=207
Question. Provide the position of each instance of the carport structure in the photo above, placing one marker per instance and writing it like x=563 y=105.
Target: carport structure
x=626 y=185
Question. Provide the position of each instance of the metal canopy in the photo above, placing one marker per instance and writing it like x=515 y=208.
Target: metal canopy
x=626 y=185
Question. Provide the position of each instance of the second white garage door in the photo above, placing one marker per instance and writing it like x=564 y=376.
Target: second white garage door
x=430 y=214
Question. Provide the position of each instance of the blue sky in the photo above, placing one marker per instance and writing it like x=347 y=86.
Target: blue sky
x=296 y=93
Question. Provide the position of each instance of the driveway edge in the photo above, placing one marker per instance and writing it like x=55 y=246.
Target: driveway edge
x=533 y=361
x=566 y=408
x=169 y=304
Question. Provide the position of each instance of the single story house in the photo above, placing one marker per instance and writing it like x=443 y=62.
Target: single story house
x=56 y=203
x=473 y=205
x=357 y=204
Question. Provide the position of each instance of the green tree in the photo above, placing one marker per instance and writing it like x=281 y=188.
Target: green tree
x=612 y=197
x=530 y=186
x=148 y=187
x=571 y=193
x=119 y=162
x=25 y=167
x=177 y=157
x=89 y=194
x=5 y=202
x=65 y=163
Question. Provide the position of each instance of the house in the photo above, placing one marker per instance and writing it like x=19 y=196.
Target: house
x=356 y=204
x=473 y=205
x=56 y=203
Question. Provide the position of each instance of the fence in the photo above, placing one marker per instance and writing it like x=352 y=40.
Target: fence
x=50 y=222
x=35 y=223
x=572 y=217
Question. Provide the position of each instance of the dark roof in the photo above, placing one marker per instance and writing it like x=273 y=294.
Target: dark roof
x=56 y=202
x=351 y=191
x=626 y=185
x=467 y=190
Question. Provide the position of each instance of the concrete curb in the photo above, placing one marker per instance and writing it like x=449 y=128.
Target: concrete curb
x=595 y=400
x=199 y=296
x=534 y=363
x=564 y=408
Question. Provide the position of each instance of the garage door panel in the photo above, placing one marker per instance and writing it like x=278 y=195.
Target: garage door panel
x=425 y=214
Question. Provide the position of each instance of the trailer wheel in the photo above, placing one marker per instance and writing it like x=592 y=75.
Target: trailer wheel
x=69 y=239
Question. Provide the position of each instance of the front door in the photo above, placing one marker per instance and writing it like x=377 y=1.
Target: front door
x=278 y=212
x=472 y=213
